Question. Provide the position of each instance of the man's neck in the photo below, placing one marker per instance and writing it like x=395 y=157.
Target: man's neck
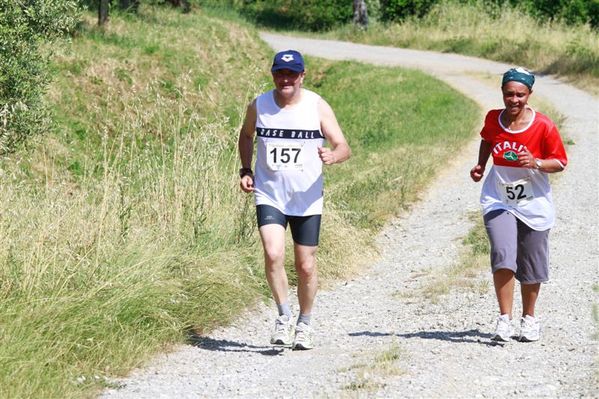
x=284 y=101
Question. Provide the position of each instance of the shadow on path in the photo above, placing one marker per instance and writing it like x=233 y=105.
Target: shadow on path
x=223 y=345
x=468 y=336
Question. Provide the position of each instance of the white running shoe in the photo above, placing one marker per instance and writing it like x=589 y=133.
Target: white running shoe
x=303 y=337
x=283 y=332
x=530 y=329
x=504 y=329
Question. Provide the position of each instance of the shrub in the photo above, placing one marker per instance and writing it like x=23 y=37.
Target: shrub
x=310 y=15
x=398 y=10
x=572 y=12
x=24 y=27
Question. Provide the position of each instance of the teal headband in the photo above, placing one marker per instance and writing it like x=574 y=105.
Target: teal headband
x=520 y=75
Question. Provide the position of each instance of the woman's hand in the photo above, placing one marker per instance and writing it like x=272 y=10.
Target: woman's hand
x=477 y=173
x=526 y=159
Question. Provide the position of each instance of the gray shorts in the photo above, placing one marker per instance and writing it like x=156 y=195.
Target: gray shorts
x=517 y=247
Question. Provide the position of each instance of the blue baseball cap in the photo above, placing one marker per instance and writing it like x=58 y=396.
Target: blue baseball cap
x=288 y=59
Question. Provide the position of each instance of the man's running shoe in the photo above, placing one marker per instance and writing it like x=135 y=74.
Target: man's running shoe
x=303 y=337
x=283 y=332
x=530 y=329
x=504 y=329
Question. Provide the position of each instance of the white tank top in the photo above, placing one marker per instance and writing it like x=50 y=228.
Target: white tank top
x=288 y=171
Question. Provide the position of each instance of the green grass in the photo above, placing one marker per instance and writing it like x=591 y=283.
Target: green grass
x=510 y=36
x=123 y=228
x=370 y=377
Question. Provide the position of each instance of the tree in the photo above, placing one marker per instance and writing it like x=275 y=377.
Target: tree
x=185 y=4
x=103 y=11
x=25 y=28
x=360 y=13
x=129 y=5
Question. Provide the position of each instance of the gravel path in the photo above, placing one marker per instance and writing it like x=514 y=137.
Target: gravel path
x=444 y=349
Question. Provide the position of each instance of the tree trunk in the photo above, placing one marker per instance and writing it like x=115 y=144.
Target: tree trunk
x=360 y=13
x=103 y=12
x=186 y=6
x=129 y=5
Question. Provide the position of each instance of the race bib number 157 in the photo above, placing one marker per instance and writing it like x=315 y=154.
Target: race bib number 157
x=284 y=156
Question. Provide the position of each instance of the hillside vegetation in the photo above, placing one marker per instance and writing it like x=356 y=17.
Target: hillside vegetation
x=507 y=34
x=549 y=37
x=123 y=226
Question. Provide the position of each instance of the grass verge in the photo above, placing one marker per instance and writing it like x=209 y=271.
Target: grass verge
x=371 y=376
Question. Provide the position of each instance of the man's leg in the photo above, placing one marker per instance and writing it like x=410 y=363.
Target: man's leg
x=307 y=285
x=273 y=242
x=305 y=232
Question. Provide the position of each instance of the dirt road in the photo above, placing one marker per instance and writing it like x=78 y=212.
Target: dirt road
x=444 y=349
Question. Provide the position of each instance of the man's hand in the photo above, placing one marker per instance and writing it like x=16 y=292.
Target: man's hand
x=326 y=155
x=247 y=183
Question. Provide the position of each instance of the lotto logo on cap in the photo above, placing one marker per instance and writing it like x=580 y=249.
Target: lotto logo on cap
x=288 y=59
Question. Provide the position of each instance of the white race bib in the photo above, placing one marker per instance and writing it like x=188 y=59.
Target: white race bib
x=284 y=156
x=518 y=192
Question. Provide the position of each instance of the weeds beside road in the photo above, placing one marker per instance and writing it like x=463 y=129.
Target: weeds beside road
x=511 y=36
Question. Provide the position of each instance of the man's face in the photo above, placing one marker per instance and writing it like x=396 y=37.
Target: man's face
x=287 y=82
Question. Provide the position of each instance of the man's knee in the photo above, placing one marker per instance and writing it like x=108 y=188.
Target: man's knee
x=306 y=268
x=274 y=254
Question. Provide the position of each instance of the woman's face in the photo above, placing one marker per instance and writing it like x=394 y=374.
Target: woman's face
x=288 y=82
x=515 y=97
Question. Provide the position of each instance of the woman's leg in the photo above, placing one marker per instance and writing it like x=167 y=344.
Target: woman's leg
x=502 y=229
x=530 y=293
x=503 y=279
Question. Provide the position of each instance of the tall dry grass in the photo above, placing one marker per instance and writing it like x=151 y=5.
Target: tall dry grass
x=97 y=267
x=125 y=227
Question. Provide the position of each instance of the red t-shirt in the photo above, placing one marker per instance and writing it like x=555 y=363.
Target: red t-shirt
x=541 y=138
x=525 y=192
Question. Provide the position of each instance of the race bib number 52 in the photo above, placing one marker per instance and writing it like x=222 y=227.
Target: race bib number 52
x=284 y=156
x=517 y=192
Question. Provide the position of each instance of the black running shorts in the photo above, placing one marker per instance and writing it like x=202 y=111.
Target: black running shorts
x=305 y=230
